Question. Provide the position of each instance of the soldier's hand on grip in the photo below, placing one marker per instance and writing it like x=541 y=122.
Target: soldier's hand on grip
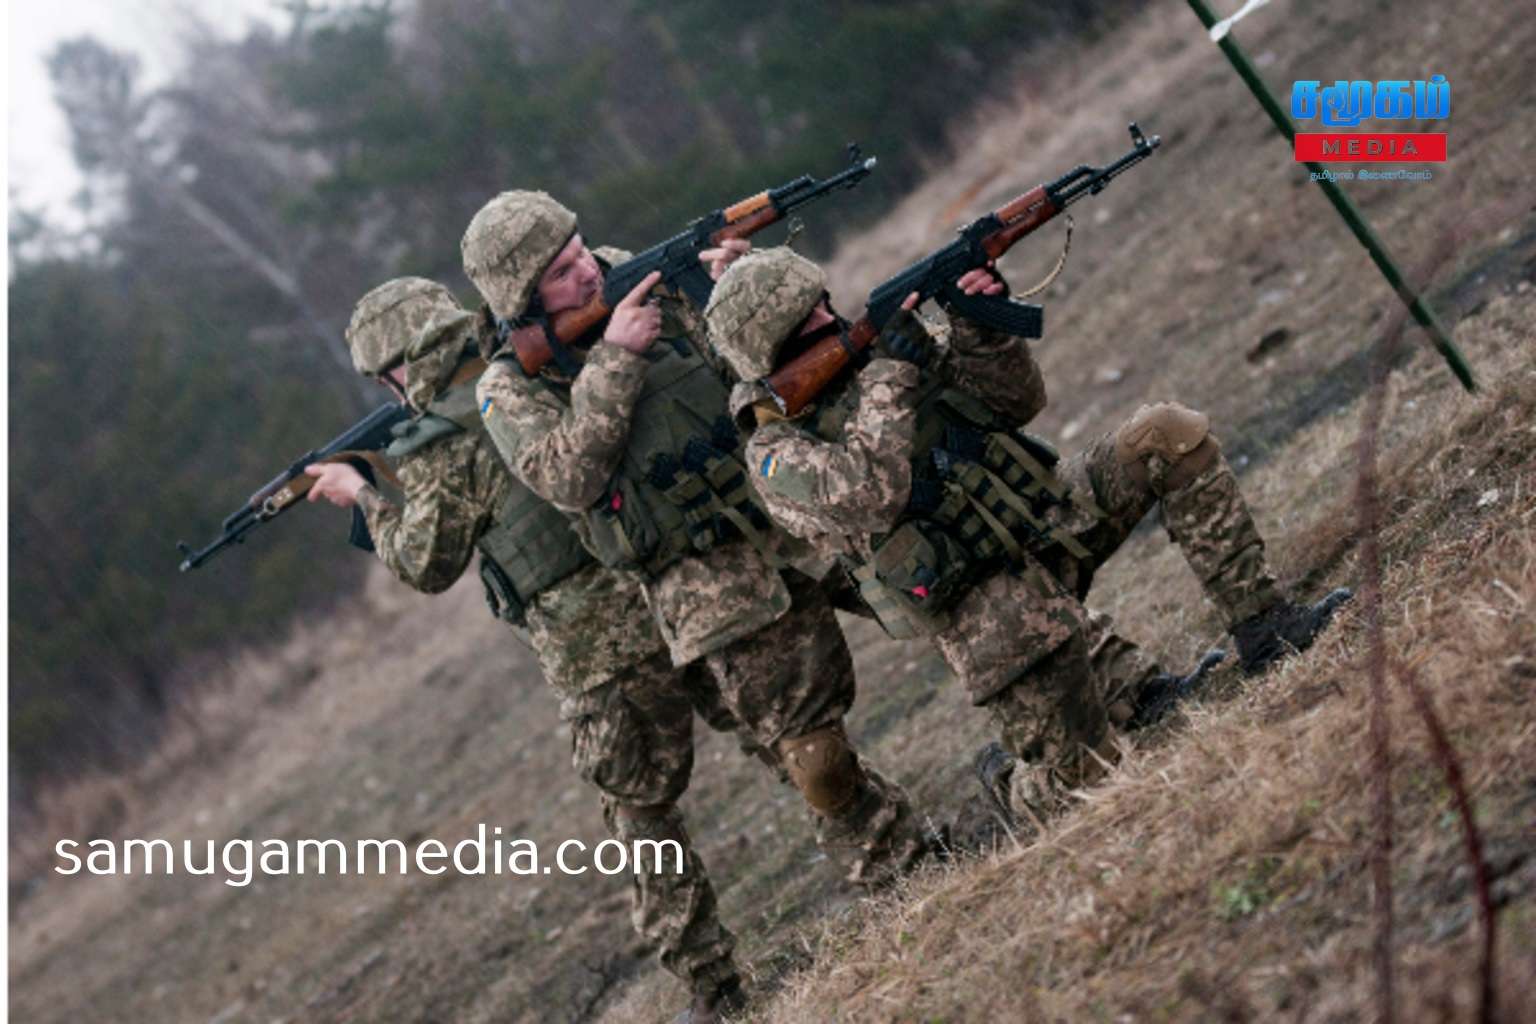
x=335 y=482
x=981 y=281
x=904 y=338
x=717 y=259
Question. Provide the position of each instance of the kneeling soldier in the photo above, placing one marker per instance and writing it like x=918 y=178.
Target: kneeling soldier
x=963 y=528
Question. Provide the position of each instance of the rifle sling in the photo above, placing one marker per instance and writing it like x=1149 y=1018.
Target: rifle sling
x=847 y=343
x=1061 y=263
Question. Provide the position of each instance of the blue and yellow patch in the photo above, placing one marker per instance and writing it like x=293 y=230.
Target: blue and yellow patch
x=485 y=408
x=770 y=466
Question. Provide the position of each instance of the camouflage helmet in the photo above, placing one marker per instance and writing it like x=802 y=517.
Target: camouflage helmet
x=509 y=243
x=388 y=318
x=756 y=303
x=435 y=353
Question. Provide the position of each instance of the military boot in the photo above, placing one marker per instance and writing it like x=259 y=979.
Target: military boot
x=721 y=1003
x=994 y=770
x=1160 y=693
x=939 y=841
x=1286 y=628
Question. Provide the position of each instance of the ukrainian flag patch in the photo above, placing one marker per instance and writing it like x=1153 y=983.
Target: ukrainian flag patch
x=485 y=408
x=770 y=465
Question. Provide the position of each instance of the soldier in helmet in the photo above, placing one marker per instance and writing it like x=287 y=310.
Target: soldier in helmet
x=637 y=446
x=631 y=712
x=965 y=529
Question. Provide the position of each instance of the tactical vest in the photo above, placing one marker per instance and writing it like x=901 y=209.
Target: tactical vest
x=681 y=485
x=980 y=490
x=531 y=545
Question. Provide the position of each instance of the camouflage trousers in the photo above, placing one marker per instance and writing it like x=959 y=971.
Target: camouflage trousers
x=794 y=677
x=632 y=738
x=1121 y=669
x=1029 y=651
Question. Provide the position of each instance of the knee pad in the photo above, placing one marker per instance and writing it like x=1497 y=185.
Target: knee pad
x=646 y=821
x=1165 y=446
x=824 y=768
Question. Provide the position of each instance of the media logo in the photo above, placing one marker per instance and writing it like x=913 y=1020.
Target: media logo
x=1346 y=104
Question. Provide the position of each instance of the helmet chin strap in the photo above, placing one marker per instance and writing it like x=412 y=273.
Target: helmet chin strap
x=395 y=387
x=564 y=359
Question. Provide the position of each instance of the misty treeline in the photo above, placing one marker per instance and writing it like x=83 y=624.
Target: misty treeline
x=179 y=351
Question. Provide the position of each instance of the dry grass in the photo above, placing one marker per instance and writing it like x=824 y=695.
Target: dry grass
x=1223 y=874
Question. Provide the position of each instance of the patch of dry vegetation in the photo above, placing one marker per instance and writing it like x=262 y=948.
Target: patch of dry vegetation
x=1223 y=874
x=218 y=722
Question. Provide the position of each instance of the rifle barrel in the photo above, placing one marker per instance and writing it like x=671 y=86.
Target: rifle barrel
x=1088 y=180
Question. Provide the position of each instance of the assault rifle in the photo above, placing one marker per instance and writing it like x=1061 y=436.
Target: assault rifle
x=359 y=445
x=796 y=384
x=537 y=341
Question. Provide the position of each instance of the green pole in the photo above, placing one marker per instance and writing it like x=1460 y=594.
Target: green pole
x=1347 y=209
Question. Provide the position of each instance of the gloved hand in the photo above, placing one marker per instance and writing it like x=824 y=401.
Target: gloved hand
x=906 y=339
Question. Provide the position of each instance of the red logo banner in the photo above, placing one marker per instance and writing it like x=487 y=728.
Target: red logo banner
x=1371 y=147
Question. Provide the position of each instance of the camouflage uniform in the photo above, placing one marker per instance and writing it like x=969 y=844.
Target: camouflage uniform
x=767 y=636
x=1018 y=636
x=1122 y=669
x=630 y=712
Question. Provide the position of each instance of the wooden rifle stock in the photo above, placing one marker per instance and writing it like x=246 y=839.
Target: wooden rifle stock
x=280 y=498
x=796 y=384
x=751 y=220
x=749 y=205
x=531 y=345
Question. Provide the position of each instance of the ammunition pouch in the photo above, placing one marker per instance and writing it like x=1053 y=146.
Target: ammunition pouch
x=500 y=595
x=979 y=502
x=681 y=488
x=531 y=548
x=682 y=506
x=917 y=573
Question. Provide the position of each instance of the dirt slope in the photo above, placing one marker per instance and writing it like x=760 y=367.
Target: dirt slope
x=412 y=717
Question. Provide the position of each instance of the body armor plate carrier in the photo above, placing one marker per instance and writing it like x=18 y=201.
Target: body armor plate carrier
x=681 y=485
x=980 y=491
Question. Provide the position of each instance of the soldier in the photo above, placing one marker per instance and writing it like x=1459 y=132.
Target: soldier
x=630 y=711
x=965 y=529
x=637 y=446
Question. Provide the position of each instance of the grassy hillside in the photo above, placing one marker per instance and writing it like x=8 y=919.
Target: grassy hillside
x=1220 y=873
x=1223 y=872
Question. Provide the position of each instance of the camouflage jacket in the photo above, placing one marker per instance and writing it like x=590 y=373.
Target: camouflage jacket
x=836 y=493
x=584 y=630
x=452 y=490
x=565 y=442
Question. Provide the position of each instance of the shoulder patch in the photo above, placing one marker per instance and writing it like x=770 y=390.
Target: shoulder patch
x=786 y=480
x=485 y=408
